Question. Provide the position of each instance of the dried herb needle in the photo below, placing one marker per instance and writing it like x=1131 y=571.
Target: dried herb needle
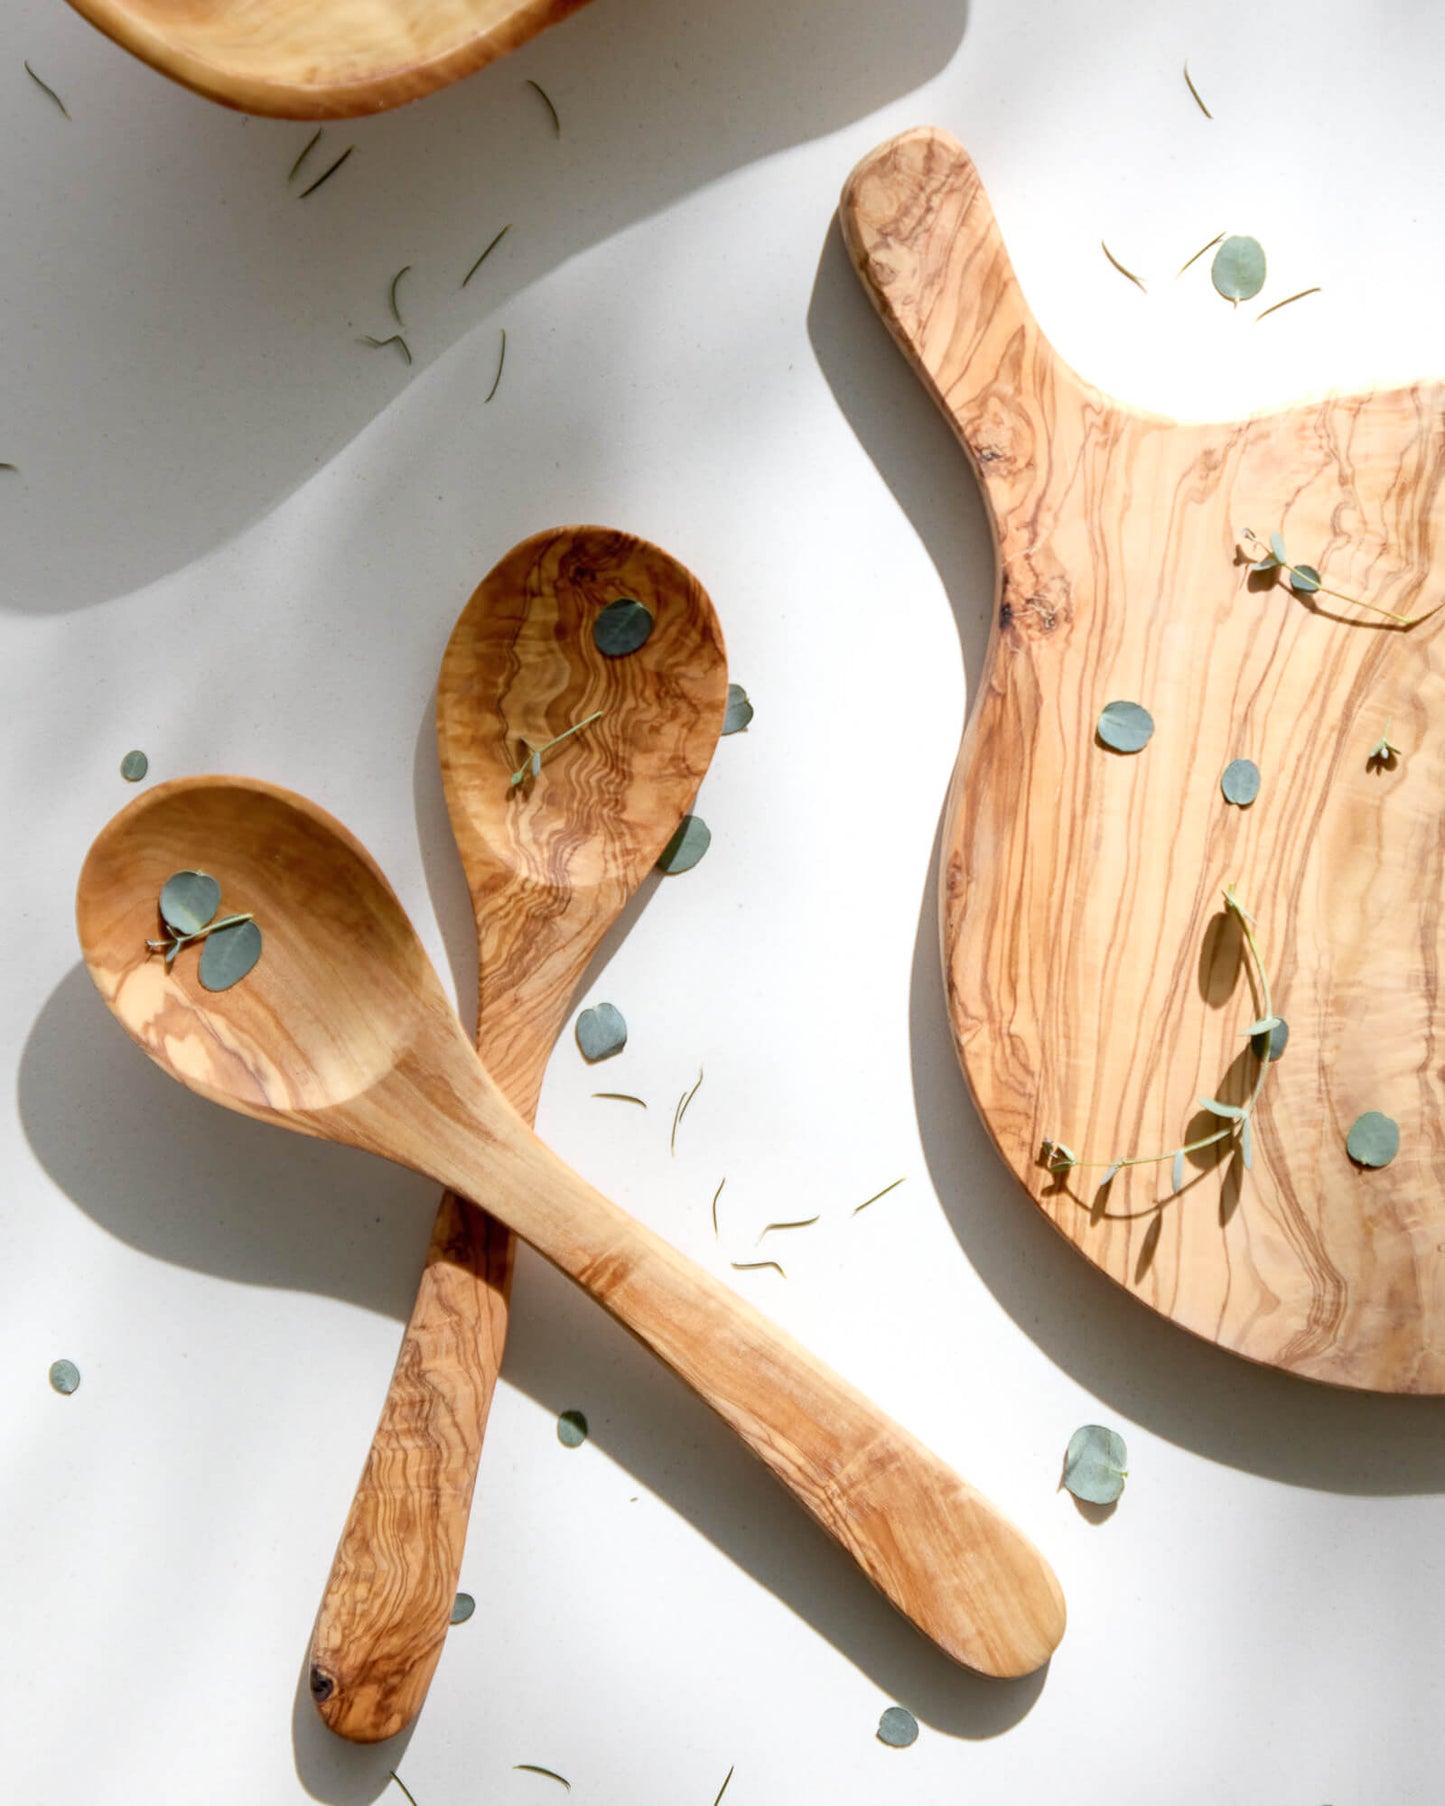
x=531 y=1768
x=395 y=310
x=311 y=144
x=486 y=254
x=1218 y=237
x=1285 y=303
x=1120 y=268
x=755 y=1266
x=723 y=1789
x=1195 y=92
x=547 y=102
x=402 y=1785
x=46 y=87
x=681 y=1111
x=501 y=359
x=797 y=1223
x=381 y=344
x=328 y=174
x=621 y=1097
x=879 y=1194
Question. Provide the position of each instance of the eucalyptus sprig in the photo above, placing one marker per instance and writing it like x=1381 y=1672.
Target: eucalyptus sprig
x=1061 y=1159
x=188 y=904
x=1304 y=579
x=1384 y=751
x=533 y=761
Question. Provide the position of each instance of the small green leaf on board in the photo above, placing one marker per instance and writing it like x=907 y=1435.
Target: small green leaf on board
x=687 y=846
x=1232 y=1111
x=1096 y=1464
x=1276 y=548
x=1125 y=727
x=229 y=954
x=134 y=766
x=1304 y=579
x=1176 y=1175
x=1374 y=1139
x=622 y=627
x=1240 y=782
x=1238 y=270
x=1246 y=1143
x=462 y=1608
x=898 y=1728
x=571 y=1429
x=64 y=1376
x=739 y=710
x=1272 y=1048
x=601 y=1032
x=533 y=1768
x=189 y=900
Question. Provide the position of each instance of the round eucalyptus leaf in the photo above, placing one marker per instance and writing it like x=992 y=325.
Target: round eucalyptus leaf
x=189 y=900
x=1304 y=579
x=1095 y=1464
x=462 y=1608
x=571 y=1429
x=1240 y=782
x=687 y=846
x=1374 y=1140
x=229 y=954
x=1125 y=727
x=622 y=627
x=898 y=1728
x=739 y=711
x=134 y=766
x=601 y=1032
x=1276 y=548
x=1273 y=1044
x=1238 y=269
x=64 y=1376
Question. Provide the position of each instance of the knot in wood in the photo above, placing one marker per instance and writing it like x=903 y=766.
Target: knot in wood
x=1000 y=435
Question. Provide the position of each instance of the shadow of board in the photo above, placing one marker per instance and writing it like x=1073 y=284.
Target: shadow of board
x=216 y=368
x=1175 y=1384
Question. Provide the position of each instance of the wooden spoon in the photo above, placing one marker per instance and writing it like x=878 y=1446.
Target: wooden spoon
x=343 y=1031
x=334 y=59
x=550 y=864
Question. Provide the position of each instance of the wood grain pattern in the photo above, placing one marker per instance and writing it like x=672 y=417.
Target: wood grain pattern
x=550 y=865
x=334 y=60
x=343 y=1031
x=1095 y=986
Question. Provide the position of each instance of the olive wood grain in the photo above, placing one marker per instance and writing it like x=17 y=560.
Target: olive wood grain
x=550 y=865
x=343 y=1031
x=325 y=59
x=1096 y=986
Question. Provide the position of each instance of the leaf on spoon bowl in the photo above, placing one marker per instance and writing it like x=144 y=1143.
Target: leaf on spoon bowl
x=229 y=954
x=601 y=1032
x=687 y=846
x=189 y=900
x=898 y=1728
x=1096 y=1464
x=622 y=627
x=739 y=710
x=571 y=1429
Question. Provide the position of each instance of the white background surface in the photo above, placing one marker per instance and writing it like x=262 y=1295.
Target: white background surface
x=238 y=540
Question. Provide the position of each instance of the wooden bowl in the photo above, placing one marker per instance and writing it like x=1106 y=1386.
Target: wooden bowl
x=320 y=59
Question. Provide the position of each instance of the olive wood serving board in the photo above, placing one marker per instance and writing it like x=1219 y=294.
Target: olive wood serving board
x=1097 y=985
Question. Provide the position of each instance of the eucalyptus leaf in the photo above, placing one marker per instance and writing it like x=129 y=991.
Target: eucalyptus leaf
x=687 y=846
x=1240 y=782
x=1125 y=727
x=64 y=1376
x=134 y=766
x=1238 y=270
x=462 y=1608
x=1246 y=1144
x=1276 y=1044
x=1110 y=1173
x=1177 y=1171
x=1276 y=548
x=1096 y=1464
x=1304 y=579
x=898 y=1728
x=739 y=710
x=228 y=955
x=571 y=1429
x=1374 y=1139
x=601 y=1032
x=622 y=627
x=1213 y=1105
x=189 y=900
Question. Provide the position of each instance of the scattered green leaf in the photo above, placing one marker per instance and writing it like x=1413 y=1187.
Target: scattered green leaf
x=1120 y=267
x=327 y=174
x=381 y=344
x=531 y=1768
x=1271 y=1049
x=547 y=102
x=723 y=1789
x=395 y=310
x=311 y=144
x=622 y=627
x=189 y=900
x=228 y=954
x=1304 y=579
x=795 y=1223
x=756 y=1266
x=1238 y=269
x=486 y=254
x=1384 y=751
x=1125 y=727
x=1232 y=1112
x=571 y=1429
x=621 y=1097
x=533 y=761
x=1285 y=303
x=46 y=88
x=884 y=1193
x=1240 y=782
x=1096 y=1464
x=601 y=1032
x=739 y=710
x=681 y=1111
x=898 y=1728
x=1191 y=261
x=134 y=766
x=1054 y=1155
x=462 y=1608
x=1195 y=92
x=64 y=1376
x=1246 y=1144
x=687 y=846
x=1373 y=1140
x=501 y=359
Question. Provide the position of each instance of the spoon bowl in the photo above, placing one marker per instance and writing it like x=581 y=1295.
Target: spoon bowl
x=342 y=964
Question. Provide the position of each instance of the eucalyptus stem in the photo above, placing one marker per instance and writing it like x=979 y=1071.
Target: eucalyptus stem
x=173 y=946
x=533 y=760
x=1310 y=585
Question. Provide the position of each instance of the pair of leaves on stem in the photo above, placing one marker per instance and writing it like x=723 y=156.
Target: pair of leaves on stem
x=230 y=947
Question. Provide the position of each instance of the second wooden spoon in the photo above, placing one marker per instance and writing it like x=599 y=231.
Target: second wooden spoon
x=550 y=863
